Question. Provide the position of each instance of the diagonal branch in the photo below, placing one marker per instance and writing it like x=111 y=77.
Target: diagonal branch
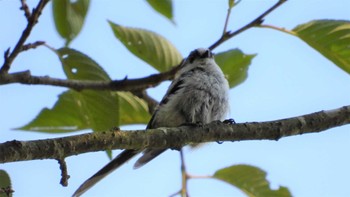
x=26 y=10
x=32 y=20
x=227 y=35
x=172 y=137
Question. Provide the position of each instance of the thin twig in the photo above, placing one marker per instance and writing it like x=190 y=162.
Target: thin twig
x=32 y=20
x=230 y=6
x=64 y=172
x=255 y=22
x=26 y=10
x=184 y=191
x=184 y=178
x=175 y=194
x=32 y=45
x=226 y=20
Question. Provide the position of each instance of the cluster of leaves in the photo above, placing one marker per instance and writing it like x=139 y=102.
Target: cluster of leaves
x=101 y=110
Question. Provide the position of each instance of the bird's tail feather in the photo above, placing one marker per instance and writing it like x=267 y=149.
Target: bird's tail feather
x=110 y=167
x=148 y=155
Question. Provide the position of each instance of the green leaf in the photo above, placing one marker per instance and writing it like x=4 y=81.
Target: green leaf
x=88 y=109
x=101 y=108
x=234 y=63
x=163 y=7
x=133 y=110
x=250 y=180
x=148 y=46
x=76 y=65
x=66 y=116
x=5 y=183
x=69 y=17
x=329 y=37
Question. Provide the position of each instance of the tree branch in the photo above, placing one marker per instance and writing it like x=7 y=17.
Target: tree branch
x=59 y=148
x=26 y=10
x=227 y=35
x=64 y=172
x=32 y=45
x=117 y=85
x=32 y=20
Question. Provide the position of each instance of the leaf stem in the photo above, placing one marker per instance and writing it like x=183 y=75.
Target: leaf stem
x=279 y=29
x=228 y=15
x=226 y=20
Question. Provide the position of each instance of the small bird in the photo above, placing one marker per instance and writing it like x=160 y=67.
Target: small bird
x=198 y=94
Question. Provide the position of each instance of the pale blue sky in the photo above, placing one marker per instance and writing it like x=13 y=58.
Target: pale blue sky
x=287 y=78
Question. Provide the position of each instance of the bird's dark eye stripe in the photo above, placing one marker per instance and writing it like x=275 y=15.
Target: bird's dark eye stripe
x=199 y=54
x=206 y=54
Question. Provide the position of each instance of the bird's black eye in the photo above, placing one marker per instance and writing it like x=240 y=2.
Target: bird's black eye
x=193 y=55
x=207 y=54
x=199 y=54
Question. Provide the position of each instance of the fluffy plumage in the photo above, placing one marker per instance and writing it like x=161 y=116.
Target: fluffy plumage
x=198 y=94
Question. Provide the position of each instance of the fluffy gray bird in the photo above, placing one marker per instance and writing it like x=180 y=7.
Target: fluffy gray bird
x=198 y=94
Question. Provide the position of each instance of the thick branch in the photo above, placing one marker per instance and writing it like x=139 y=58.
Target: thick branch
x=172 y=137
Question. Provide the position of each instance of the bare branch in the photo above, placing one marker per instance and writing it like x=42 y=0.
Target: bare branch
x=255 y=22
x=26 y=10
x=172 y=137
x=32 y=45
x=118 y=85
x=64 y=172
x=32 y=20
x=226 y=20
x=184 y=176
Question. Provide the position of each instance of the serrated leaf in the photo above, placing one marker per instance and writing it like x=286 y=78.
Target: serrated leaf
x=234 y=64
x=163 y=7
x=133 y=110
x=5 y=183
x=250 y=180
x=69 y=17
x=329 y=37
x=148 y=46
x=88 y=109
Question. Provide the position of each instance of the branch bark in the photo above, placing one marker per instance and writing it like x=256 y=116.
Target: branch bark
x=256 y=22
x=116 y=85
x=175 y=138
x=32 y=20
